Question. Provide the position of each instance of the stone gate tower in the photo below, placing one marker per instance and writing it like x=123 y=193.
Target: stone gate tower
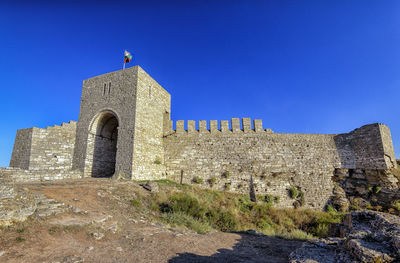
x=121 y=126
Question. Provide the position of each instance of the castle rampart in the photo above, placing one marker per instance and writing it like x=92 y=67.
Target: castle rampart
x=273 y=162
x=124 y=131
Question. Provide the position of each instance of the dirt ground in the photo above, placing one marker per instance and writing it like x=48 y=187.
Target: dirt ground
x=100 y=225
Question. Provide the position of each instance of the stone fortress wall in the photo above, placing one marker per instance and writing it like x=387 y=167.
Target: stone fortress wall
x=43 y=154
x=271 y=162
x=45 y=149
x=124 y=130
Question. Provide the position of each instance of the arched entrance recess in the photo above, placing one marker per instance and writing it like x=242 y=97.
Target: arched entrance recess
x=102 y=143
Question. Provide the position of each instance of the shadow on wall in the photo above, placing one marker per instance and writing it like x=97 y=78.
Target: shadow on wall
x=345 y=151
x=249 y=248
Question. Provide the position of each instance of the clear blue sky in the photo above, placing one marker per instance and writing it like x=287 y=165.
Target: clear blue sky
x=301 y=66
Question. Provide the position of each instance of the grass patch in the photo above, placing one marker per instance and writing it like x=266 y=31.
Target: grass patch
x=20 y=239
x=136 y=203
x=52 y=230
x=212 y=181
x=295 y=234
x=197 y=180
x=293 y=192
x=182 y=219
x=269 y=199
x=170 y=183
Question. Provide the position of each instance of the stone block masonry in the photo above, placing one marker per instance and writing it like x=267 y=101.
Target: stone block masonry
x=125 y=131
x=274 y=161
x=138 y=107
x=44 y=149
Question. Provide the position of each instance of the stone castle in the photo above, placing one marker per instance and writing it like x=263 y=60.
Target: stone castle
x=124 y=131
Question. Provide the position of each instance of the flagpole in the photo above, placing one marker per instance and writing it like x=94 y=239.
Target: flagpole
x=123 y=68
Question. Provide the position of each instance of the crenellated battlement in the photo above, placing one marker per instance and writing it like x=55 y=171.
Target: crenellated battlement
x=69 y=125
x=235 y=125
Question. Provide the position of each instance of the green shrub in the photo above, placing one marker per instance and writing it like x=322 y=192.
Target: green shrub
x=330 y=209
x=321 y=221
x=182 y=219
x=261 y=210
x=396 y=205
x=157 y=160
x=277 y=199
x=227 y=186
x=136 y=203
x=212 y=216
x=245 y=204
x=227 y=221
x=265 y=224
x=225 y=174
x=21 y=230
x=212 y=181
x=183 y=202
x=197 y=180
x=269 y=199
x=293 y=192
x=19 y=239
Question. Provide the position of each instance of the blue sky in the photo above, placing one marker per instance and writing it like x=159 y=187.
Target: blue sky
x=301 y=66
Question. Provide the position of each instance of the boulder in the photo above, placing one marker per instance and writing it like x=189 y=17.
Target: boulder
x=150 y=186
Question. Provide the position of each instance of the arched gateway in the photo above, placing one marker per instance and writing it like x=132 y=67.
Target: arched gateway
x=102 y=145
x=121 y=126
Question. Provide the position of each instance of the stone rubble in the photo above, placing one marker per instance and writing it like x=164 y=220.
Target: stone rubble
x=366 y=236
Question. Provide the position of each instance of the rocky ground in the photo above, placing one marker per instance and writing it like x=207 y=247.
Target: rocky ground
x=92 y=220
x=363 y=236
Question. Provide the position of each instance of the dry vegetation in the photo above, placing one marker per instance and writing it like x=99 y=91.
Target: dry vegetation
x=203 y=210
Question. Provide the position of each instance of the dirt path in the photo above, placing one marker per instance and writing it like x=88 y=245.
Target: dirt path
x=101 y=226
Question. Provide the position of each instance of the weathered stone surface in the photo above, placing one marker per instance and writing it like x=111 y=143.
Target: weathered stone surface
x=18 y=204
x=367 y=237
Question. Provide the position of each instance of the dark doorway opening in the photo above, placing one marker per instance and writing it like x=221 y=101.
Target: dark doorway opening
x=105 y=146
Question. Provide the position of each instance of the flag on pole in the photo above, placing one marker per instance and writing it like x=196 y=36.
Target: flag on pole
x=127 y=57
